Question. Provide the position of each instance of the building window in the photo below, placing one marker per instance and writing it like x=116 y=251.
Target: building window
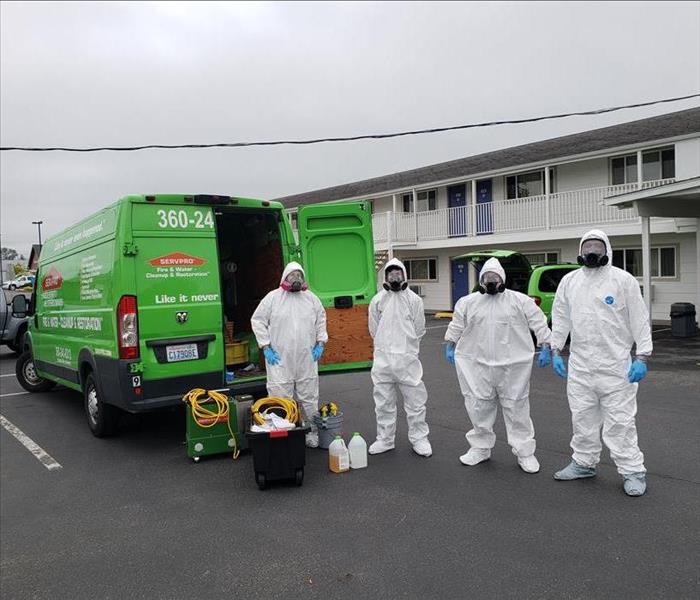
x=529 y=184
x=663 y=261
x=427 y=200
x=537 y=259
x=656 y=164
x=421 y=269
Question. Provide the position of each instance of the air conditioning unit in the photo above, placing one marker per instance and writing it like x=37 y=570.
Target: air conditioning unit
x=418 y=289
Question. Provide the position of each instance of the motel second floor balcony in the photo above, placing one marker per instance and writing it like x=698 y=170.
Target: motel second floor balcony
x=561 y=210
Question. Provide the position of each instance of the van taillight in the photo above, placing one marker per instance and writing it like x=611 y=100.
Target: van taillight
x=537 y=300
x=128 y=327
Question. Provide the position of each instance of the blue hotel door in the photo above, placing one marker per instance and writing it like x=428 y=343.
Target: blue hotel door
x=484 y=216
x=460 y=279
x=457 y=200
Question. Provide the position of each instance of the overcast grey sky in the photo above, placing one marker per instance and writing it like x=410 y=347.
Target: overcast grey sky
x=82 y=74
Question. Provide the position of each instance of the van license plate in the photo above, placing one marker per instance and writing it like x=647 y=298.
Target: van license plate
x=182 y=352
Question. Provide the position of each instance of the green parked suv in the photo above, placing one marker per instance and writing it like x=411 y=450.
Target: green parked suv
x=543 y=284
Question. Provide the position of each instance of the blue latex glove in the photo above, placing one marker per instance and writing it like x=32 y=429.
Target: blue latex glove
x=559 y=366
x=271 y=355
x=317 y=351
x=545 y=356
x=637 y=372
x=450 y=353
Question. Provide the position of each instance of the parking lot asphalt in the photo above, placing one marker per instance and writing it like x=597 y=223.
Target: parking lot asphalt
x=132 y=517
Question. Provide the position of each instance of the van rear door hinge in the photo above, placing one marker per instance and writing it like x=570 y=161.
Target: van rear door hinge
x=130 y=249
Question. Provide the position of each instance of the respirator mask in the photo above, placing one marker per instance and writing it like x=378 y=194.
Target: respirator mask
x=294 y=282
x=395 y=281
x=491 y=283
x=593 y=254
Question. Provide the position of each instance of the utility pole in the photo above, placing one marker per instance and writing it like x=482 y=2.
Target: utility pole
x=38 y=224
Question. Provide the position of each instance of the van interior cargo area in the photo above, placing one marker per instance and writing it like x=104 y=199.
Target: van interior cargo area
x=250 y=264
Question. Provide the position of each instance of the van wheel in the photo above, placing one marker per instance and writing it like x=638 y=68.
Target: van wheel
x=102 y=418
x=27 y=375
x=12 y=286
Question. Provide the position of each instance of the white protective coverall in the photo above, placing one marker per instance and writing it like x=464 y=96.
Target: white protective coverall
x=292 y=323
x=603 y=310
x=493 y=358
x=397 y=324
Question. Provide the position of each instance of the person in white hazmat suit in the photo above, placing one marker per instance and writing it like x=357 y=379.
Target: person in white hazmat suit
x=489 y=342
x=397 y=324
x=290 y=326
x=602 y=308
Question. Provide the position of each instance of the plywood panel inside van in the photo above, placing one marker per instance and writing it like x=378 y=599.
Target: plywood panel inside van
x=348 y=335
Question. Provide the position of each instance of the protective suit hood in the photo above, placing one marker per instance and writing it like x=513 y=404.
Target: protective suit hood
x=597 y=234
x=292 y=266
x=492 y=265
x=395 y=262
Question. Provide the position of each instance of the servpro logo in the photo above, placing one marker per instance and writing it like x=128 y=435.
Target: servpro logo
x=177 y=259
x=53 y=280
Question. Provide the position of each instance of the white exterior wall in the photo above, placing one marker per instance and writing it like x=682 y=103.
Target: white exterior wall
x=383 y=204
x=581 y=175
x=688 y=158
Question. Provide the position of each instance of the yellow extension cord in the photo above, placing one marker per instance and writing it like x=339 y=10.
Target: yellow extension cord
x=260 y=407
x=205 y=417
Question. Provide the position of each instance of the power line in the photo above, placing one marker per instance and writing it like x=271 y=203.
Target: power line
x=375 y=136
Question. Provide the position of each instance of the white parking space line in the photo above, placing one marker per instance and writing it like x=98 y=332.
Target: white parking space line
x=13 y=394
x=39 y=453
x=8 y=375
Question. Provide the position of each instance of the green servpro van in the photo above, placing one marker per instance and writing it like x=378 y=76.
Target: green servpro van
x=152 y=296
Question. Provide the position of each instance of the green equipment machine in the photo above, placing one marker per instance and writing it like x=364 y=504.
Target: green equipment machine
x=215 y=423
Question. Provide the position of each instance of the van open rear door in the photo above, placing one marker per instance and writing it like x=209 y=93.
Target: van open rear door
x=337 y=252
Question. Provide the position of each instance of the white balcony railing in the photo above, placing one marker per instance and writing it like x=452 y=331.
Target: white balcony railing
x=562 y=209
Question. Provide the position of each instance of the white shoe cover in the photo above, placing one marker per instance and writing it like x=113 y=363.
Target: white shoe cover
x=423 y=448
x=529 y=464
x=475 y=456
x=378 y=447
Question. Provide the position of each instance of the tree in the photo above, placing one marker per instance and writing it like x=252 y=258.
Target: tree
x=19 y=269
x=8 y=253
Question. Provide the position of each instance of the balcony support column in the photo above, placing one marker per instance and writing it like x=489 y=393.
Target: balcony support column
x=639 y=169
x=389 y=234
x=415 y=213
x=547 y=192
x=473 y=206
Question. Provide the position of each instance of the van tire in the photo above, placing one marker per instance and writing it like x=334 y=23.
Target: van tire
x=27 y=376
x=102 y=418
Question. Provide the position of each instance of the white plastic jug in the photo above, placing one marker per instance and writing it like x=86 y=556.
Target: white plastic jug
x=358 y=451
x=338 y=456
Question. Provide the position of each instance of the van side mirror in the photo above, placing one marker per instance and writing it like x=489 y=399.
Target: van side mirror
x=19 y=306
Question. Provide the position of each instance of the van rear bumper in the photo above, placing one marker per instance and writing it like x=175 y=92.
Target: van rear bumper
x=119 y=388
